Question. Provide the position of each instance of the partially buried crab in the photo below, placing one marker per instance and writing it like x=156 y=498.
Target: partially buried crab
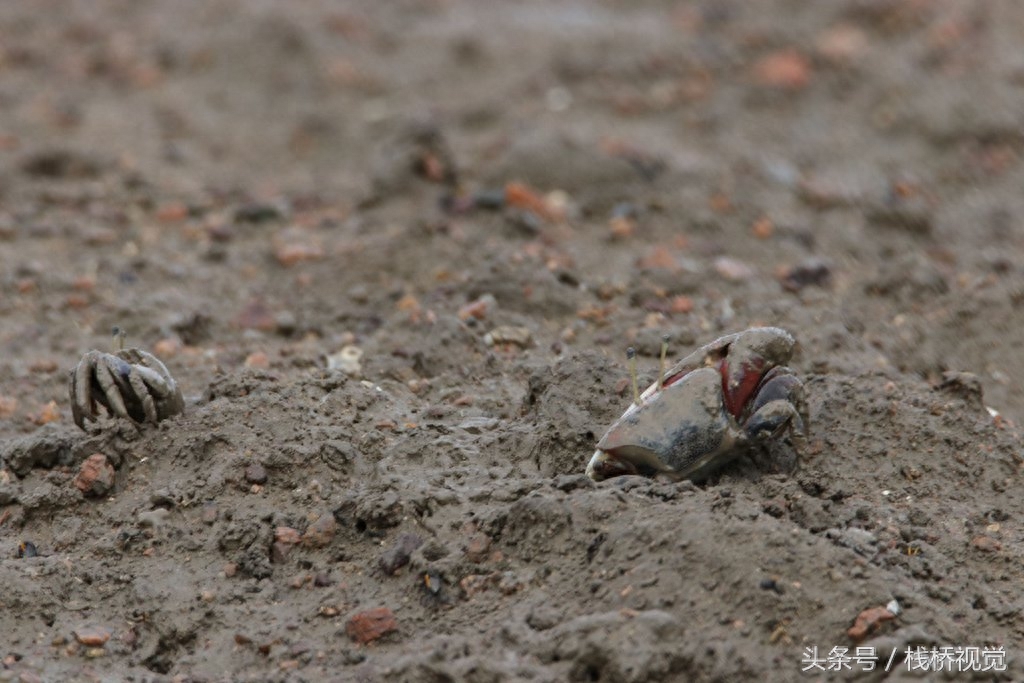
x=129 y=383
x=725 y=397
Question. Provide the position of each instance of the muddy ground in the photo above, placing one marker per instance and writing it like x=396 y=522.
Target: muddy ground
x=491 y=201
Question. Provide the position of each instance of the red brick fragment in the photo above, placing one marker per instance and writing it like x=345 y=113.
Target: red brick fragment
x=370 y=625
x=868 y=622
x=95 y=476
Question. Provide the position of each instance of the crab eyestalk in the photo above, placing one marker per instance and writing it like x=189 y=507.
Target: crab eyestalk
x=631 y=357
x=119 y=336
x=661 y=363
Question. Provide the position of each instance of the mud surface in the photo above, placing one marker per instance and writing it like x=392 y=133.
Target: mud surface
x=490 y=201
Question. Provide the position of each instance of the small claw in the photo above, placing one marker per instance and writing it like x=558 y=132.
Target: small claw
x=748 y=356
x=781 y=386
x=772 y=419
x=604 y=465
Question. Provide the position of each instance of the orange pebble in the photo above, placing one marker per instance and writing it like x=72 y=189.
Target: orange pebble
x=49 y=413
x=167 y=348
x=681 y=304
x=622 y=227
x=8 y=406
x=257 y=359
x=522 y=196
x=763 y=228
x=172 y=213
x=786 y=69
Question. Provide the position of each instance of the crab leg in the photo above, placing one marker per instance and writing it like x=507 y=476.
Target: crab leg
x=157 y=378
x=138 y=383
x=111 y=390
x=82 y=407
x=155 y=383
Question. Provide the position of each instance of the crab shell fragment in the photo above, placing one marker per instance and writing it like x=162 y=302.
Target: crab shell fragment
x=131 y=383
x=709 y=407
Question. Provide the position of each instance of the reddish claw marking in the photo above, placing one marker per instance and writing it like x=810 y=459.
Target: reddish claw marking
x=749 y=377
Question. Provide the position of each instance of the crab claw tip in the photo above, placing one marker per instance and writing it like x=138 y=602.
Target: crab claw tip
x=604 y=465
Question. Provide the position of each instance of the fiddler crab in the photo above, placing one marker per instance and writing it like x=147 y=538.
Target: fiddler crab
x=722 y=399
x=130 y=383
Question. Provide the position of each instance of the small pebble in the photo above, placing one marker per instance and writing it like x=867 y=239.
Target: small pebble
x=286 y=534
x=279 y=552
x=152 y=518
x=47 y=414
x=259 y=212
x=785 y=69
x=296 y=245
x=365 y=627
x=732 y=269
x=95 y=476
x=257 y=359
x=172 y=212
x=43 y=365
x=286 y=323
x=842 y=44
x=868 y=622
x=813 y=271
x=478 y=548
x=8 y=406
x=163 y=498
x=398 y=555
x=348 y=360
x=256 y=473
x=255 y=315
x=479 y=308
x=763 y=228
x=321 y=532
x=92 y=636
x=210 y=512
x=986 y=544
x=492 y=200
x=509 y=334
